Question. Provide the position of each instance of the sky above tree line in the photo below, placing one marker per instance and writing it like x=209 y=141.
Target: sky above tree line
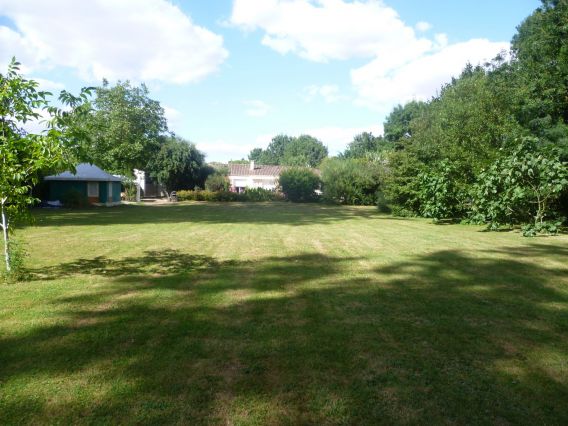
x=233 y=74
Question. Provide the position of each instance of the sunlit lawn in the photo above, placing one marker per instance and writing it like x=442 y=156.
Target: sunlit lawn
x=282 y=314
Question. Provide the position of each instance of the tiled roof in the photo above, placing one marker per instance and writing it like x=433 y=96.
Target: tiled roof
x=259 y=170
x=85 y=171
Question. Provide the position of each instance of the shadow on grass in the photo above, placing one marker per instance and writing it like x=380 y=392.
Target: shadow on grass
x=175 y=338
x=257 y=213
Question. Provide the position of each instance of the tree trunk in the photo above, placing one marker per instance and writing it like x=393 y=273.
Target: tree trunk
x=5 y=235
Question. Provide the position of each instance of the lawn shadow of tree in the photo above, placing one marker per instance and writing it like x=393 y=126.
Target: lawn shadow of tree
x=443 y=337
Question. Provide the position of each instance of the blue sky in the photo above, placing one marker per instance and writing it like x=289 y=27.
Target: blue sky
x=232 y=74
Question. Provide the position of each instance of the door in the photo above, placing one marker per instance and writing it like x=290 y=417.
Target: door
x=109 y=192
x=93 y=192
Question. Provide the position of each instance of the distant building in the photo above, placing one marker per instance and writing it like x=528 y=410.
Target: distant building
x=243 y=176
x=148 y=188
x=98 y=186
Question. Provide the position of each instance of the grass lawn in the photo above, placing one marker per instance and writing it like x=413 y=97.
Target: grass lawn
x=282 y=314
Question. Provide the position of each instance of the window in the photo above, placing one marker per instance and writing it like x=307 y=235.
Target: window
x=93 y=189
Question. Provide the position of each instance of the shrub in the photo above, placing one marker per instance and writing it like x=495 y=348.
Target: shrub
x=261 y=194
x=299 y=184
x=18 y=254
x=522 y=187
x=74 y=198
x=440 y=193
x=256 y=194
x=351 y=181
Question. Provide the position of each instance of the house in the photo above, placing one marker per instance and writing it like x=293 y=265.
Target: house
x=97 y=185
x=243 y=176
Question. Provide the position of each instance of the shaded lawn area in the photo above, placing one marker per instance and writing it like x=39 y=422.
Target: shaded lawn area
x=282 y=314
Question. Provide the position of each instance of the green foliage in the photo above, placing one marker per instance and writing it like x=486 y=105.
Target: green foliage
x=365 y=145
x=18 y=255
x=74 y=199
x=217 y=182
x=540 y=48
x=125 y=129
x=299 y=184
x=400 y=182
x=351 y=181
x=301 y=151
x=24 y=156
x=521 y=187
x=440 y=193
x=397 y=125
x=178 y=164
x=261 y=194
x=250 y=195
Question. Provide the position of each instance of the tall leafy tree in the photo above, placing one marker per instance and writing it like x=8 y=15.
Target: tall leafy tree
x=397 y=126
x=178 y=165
x=302 y=151
x=125 y=128
x=366 y=145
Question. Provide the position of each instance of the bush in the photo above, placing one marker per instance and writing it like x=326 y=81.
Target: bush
x=255 y=194
x=521 y=187
x=261 y=194
x=299 y=184
x=351 y=181
x=440 y=193
x=74 y=198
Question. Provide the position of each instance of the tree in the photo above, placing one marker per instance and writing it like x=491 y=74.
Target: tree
x=178 y=165
x=125 y=129
x=286 y=150
x=366 y=145
x=303 y=151
x=23 y=155
x=299 y=184
x=398 y=123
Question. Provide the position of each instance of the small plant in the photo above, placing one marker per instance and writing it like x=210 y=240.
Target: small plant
x=18 y=255
x=550 y=227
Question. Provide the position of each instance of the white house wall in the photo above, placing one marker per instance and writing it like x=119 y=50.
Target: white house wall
x=266 y=182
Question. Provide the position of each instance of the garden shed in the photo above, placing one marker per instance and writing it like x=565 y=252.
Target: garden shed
x=96 y=185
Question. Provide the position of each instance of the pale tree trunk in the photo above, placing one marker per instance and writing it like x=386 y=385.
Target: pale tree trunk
x=5 y=235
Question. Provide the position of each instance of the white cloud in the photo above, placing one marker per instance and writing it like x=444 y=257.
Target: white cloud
x=423 y=26
x=48 y=85
x=142 y=40
x=403 y=65
x=329 y=93
x=335 y=138
x=323 y=30
x=173 y=116
x=421 y=78
x=221 y=150
x=256 y=108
